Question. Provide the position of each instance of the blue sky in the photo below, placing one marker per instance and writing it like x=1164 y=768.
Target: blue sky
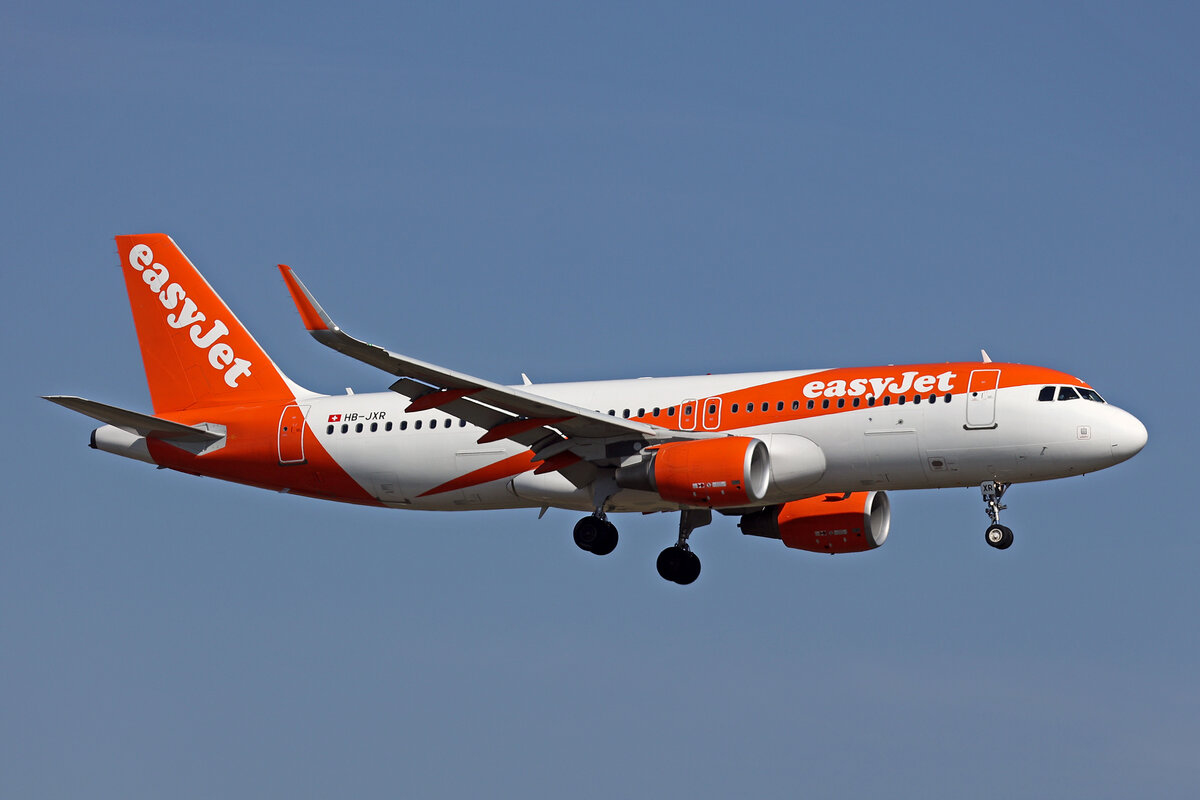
x=583 y=192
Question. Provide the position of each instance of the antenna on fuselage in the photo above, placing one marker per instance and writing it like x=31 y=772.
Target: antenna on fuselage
x=986 y=358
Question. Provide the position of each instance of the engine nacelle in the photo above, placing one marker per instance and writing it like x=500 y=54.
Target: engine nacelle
x=727 y=472
x=828 y=523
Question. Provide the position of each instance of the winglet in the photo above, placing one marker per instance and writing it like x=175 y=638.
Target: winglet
x=315 y=318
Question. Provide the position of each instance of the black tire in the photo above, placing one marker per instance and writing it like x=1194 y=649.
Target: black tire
x=669 y=563
x=999 y=536
x=588 y=531
x=606 y=542
x=689 y=568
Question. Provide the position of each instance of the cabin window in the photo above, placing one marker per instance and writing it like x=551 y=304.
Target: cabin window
x=733 y=408
x=403 y=424
x=749 y=407
x=901 y=399
x=887 y=401
x=825 y=404
x=712 y=408
x=811 y=403
x=1046 y=394
x=374 y=427
x=870 y=402
x=358 y=428
x=671 y=411
x=612 y=412
x=856 y=401
x=656 y=411
x=387 y=426
x=345 y=428
x=917 y=398
x=779 y=406
x=795 y=405
x=329 y=429
x=417 y=425
x=462 y=423
x=841 y=402
x=946 y=398
x=625 y=413
x=766 y=406
x=641 y=412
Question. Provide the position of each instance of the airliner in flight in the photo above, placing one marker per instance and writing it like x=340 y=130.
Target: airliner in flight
x=803 y=456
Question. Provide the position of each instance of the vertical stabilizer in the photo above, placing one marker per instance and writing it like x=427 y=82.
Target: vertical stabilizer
x=195 y=351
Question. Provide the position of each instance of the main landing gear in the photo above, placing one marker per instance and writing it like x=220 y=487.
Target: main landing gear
x=596 y=534
x=997 y=535
x=678 y=563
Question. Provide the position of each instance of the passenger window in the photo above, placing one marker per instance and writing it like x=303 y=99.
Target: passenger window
x=946 y=398
x=1067 y=393
x=358 y=428
x=417 y=425
x=841 y=402
x=712 y=408
x=329 y=429
x=733 y=408
x=856 y=401
x=656 y=411
x=811 y=403
x=749 y=407
x=403 y=424
x=462 y=423
x=387 y=426
x=917 y=398
x=766 y=406
x=625 y=413
x=374 y=427
x=824 y=404
x=671 y=411
x=345 y=429
x=1046 y=394
x=779 y=406
x=871 y=401
x=887 y=401
x=447 y=423
x=901 y=399
x=641 y=412
x=612 y=412
x=795 y=405
x=686 y=410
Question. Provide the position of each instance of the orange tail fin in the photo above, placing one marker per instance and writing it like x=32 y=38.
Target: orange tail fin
x=195 y=351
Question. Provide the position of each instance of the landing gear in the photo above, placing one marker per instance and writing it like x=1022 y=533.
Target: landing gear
x=997 y=535
x=596 y=534
x=678 y=564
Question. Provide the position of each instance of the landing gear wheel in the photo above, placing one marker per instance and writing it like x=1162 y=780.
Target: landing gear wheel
x=678 y=565
x=999 y=536
x=595 y=535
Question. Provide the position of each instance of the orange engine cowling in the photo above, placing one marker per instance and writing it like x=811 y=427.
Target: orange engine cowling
x=828 y=523
x=719 y=473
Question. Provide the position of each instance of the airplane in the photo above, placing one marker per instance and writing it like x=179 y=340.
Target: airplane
x=803 y=456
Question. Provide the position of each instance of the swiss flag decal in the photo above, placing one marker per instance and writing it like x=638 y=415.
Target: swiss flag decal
x=335 y=417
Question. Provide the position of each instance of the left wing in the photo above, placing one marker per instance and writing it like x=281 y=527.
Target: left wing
x=553 y=429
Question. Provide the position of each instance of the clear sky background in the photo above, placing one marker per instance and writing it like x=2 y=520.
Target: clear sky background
x=581 y=192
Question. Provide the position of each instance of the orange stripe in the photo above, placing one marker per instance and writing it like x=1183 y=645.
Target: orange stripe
x=504 y=468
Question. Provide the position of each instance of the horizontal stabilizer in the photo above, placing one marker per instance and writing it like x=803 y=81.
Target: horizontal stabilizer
x=134 y=422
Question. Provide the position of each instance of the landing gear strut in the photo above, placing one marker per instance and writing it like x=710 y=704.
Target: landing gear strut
x=678 y=563
x=596 y=534
x=997 y=535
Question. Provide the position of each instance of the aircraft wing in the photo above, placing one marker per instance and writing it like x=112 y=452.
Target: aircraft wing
x=505 y=412
x=135 y=422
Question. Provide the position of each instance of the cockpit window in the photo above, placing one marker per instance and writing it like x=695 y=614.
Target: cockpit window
x=1067 y=393
x=1046 y=394
x=1091 y=394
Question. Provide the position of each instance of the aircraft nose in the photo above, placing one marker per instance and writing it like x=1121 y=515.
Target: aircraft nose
x=1129 y=436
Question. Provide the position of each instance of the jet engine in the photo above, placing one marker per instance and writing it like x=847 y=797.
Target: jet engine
x=725 y=472
x=829 y=523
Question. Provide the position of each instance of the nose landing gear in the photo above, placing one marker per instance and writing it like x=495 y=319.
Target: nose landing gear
x=678 y=564
x=997 y=535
